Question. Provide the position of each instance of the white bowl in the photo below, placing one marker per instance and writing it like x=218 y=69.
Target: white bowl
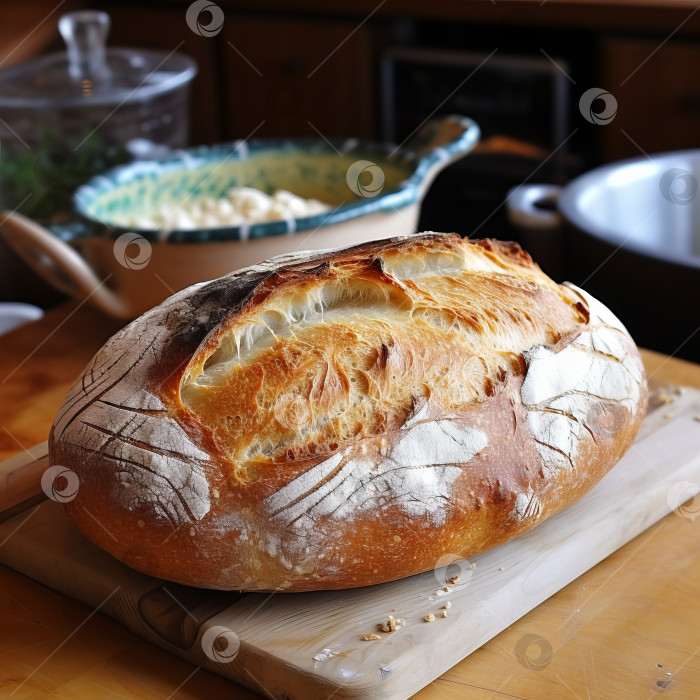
x=125 y=271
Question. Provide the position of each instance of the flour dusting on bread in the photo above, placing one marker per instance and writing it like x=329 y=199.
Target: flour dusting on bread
x=156 y=463
x=415 y=476
x=562 y=388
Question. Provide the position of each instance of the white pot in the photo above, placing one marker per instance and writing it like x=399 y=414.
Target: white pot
x=126 y=271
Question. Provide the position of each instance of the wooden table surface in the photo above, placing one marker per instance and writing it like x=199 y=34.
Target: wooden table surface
x=628 y=628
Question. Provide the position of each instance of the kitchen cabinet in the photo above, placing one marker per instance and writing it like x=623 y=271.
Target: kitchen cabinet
x=267 y=75
x=296 y=77
x=276 y=70
x=657 y=88
x=24 y=31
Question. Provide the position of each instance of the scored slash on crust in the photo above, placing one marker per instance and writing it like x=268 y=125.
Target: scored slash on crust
x=415 y=476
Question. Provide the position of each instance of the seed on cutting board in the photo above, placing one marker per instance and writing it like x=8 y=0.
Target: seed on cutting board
x=369 y=637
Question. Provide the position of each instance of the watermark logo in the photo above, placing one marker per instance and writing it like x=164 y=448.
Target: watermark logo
x=678 y=186
x=220 y=644
x=53 y=167
x=684 y=499
x=365 y=178
x=60 y=484
x=453 y=570
x=132 y=251
x=195 y=22
x=606 y=420
x=533 y=652
x=292 y=412
x=598 y=106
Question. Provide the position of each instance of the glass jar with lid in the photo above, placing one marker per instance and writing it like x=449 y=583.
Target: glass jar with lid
x=67 y=116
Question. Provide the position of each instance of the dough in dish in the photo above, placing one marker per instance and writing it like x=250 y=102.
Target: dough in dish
x=342 y=418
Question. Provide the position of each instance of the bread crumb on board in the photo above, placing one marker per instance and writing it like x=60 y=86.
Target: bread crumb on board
x=369 y=637
x=697 y=418
x=392 y=624
x=446 y=606
x=443 y=613
x=429 y=617
x=472 y=565
x=453 y=580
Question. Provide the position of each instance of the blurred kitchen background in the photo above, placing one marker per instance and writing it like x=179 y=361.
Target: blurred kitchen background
x=557 y=88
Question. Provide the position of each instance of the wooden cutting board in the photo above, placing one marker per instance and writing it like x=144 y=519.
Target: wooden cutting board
x=308 y=645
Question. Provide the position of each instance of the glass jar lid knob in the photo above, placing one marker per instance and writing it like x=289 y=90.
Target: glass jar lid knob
x=85 y=33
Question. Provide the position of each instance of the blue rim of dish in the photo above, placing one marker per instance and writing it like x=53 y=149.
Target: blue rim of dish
x=403 y=195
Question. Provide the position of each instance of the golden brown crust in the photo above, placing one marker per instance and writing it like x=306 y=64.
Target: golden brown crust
x=347 y=417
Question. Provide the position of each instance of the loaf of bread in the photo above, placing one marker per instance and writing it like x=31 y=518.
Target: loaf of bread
x=342 y=418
